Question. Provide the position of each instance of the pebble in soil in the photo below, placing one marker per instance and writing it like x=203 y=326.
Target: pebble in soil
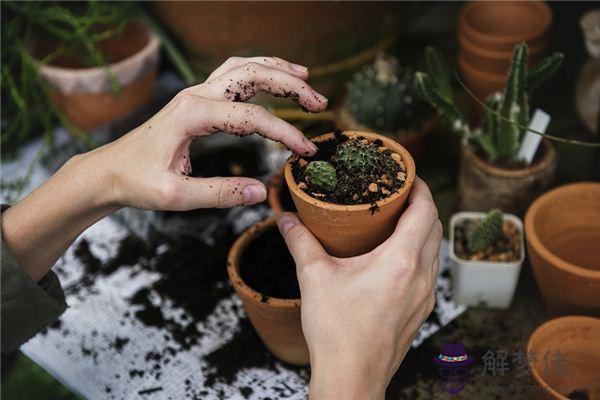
x=365 y=186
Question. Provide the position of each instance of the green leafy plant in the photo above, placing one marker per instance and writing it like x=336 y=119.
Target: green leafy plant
x=322 y=175
x=383 y=96
x=487 y=232
x=506 y=112
x=357 y=155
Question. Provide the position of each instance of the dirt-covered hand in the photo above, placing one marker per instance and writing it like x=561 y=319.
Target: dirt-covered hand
x=360 y=314
x=151 y=164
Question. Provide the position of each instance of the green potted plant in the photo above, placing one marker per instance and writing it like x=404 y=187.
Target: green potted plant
x=351 y=193
x=487 y=251
x=382 y=97
x=491 y=174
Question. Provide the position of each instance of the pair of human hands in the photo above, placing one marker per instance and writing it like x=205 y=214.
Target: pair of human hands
x=359 y=315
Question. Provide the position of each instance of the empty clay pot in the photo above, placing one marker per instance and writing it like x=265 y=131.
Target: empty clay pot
x=85 y=95
x=563 y=236
x=500 y=25
x=483 y=185
x=416 y=142
x=350 y=230
x=277 y=321
x=480 y=83
x=576 y=339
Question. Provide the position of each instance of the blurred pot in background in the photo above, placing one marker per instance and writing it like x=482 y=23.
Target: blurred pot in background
x=93 y=96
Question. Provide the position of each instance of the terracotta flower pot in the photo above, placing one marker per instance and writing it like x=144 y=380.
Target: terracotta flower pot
x=483 y=185
x=563 y=234
x=576 y=340
x=416 y=142
x=499 y=26
x=494 y=62
x=278 y=195
x=85 y=95
x=481 y=83
x=349 y=230
x=277 y=321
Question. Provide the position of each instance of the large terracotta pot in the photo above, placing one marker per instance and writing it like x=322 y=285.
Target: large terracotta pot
x=341 y=36
x=500 y=25
x=277 y=321
x=563 y=237
x=350 y=230
x=416 y=141
x=576 y=340
x=483 y=185
x=84 y=94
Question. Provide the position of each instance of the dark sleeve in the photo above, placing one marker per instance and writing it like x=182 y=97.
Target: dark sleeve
x=27 y=307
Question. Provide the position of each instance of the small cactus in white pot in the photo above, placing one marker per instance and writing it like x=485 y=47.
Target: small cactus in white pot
x=487 y=251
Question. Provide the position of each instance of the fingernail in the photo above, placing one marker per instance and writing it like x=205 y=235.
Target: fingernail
x=286 y=222
x=254 y=194
x=312 y=147
x=321 y=98
x=298 y=67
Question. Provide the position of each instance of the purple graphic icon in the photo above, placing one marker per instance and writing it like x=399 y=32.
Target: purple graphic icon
x=452 y=362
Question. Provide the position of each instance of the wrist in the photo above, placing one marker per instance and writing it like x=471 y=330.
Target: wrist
x=343 y=378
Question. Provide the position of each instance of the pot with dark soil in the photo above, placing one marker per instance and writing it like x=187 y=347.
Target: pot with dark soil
x=263 y=275
x=488 y=252
x=352 y=192
x=382 y=97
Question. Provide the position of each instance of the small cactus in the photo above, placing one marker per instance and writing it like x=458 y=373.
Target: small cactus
x=322 y=175
x=383 y=97
x=487 y=232
x=356 y=155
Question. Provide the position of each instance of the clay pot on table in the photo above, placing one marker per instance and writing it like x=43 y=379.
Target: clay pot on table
x=563 y=237
x=350 y=230
x=575 y=339
x=415 y=141
x=276 y=320
x=483 y=185
x=85 y=96
x=488 y=33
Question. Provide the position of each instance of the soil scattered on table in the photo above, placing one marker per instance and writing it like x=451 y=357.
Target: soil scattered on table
x=354 y=187
x=267 y=267
x=506 y=249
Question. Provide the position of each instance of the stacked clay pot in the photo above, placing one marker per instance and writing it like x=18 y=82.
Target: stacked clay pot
x=487 y=34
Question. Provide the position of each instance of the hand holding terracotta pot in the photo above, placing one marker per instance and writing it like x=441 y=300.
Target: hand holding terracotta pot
x=350 y=230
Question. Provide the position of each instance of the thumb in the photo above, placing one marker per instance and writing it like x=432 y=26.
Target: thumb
x=218 y=192
x=303 y=245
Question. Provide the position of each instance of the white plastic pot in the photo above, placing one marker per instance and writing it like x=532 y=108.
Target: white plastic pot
x=484 y=283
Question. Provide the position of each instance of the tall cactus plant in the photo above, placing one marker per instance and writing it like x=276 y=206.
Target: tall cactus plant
x=506 y=111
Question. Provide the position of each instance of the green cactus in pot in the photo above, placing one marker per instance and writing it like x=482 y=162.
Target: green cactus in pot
x=506 y=111
x=383 y=97
x=487 y=232
x=358 y=155
x=321 y=175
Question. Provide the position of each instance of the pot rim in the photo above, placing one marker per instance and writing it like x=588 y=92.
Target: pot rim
x=146 y=53
x=341 y=111
x=534 y=241
x=233 y=261
x=497 y=55
x=389 y=143
x=488 y=77
x=534 y=33
x=456 y=217
x=549 y=157
x=550 y=325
